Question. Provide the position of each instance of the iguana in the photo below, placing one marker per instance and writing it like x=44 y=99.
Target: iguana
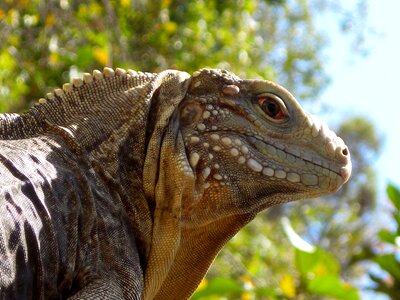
x=125 y=185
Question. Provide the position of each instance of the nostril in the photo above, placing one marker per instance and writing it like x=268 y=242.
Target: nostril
x=345 y=151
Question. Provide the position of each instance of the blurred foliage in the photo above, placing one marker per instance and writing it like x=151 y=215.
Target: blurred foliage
x=387 y=278
x=45 y=43
x=313 y=273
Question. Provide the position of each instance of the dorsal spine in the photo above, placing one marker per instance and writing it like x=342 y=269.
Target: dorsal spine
x=88 y=78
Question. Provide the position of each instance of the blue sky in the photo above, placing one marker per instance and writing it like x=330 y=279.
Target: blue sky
x=370 y=85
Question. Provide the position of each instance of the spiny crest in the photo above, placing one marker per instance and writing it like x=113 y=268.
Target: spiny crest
x=88 y=78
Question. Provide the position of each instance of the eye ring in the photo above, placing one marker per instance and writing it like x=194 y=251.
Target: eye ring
x=272 y=106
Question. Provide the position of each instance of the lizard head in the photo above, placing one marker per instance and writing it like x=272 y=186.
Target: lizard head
x=251 y=145
x=221 y=150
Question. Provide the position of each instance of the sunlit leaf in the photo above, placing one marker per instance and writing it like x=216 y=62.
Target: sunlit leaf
x=219 y=286
x=203 y=284
x=317 y=263
x=101 y=56
x=267 y=292
x=50 y=20
x=170 y=27
x=288 y=285
x=394 y=195
x=85 y=54
x=389 y=263
x=294 y=238
x=387 y=236
x=332 y=286
x=54 y=58
x=305 y=262
x=125 y=3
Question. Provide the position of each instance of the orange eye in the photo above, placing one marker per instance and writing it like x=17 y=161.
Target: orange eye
x=271 y=106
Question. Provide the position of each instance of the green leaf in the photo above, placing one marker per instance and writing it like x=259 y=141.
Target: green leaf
x=394 y=195
x=389 y=263
x=332 y=286
x=265 y=292
x=219 y=286
x=387 y=236
x=84 y=56
x=305 y=262
x=318 y=263
x=294 y=238
x=396 y=216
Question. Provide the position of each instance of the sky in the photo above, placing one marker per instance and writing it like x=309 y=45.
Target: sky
x=369 y=86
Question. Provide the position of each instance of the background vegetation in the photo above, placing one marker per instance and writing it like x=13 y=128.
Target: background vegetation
x=45 y=43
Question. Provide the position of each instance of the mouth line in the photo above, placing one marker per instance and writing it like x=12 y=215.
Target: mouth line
x=251 y=139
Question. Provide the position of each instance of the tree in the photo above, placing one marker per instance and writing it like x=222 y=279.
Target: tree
x=44 y=43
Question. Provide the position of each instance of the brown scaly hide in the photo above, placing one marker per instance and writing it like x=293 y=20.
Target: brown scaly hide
x=125 y=185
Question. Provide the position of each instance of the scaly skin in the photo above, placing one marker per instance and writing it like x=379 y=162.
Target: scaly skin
x=240 y=161
x=144 y=177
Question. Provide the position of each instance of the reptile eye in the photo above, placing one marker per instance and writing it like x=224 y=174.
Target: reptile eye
x=272 y=106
